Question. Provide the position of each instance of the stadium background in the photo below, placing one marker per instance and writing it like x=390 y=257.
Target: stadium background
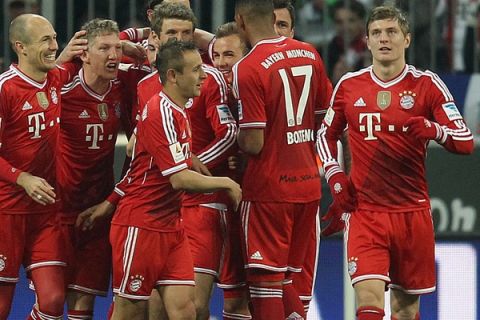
x=454 y=180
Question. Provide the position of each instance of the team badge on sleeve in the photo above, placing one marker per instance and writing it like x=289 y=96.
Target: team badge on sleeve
x=224 y=114
x=177 y=153
x=42 y=99
x=103 y=111
x=329 y=116
x=451 y=111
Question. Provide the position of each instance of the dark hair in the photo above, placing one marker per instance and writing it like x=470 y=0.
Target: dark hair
x=171 y=56
x=353 y=5
x=152 y=3
x=285 y=4
x=168 y=10
x=255 y=8
x=389 y=13
x=226 y=29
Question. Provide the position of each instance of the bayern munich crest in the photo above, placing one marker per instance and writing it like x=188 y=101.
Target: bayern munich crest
x=407 y=99
x=3 y=262
x=136 y=283
x=352 y=265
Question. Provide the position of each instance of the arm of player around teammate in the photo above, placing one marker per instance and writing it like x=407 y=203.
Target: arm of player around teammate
x=134 y=51
x=447 y=126
x=192 y=181
x=222 y=122
x=87 y=219
x=251 y=140
x=327 y=137
x=74 y=48
x=199 y=167
x=202 y=39
x=135 y=34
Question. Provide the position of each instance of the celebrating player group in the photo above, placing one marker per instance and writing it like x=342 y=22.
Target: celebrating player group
x=229 y=136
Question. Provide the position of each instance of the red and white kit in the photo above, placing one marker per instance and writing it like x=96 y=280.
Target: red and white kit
x=388 y=170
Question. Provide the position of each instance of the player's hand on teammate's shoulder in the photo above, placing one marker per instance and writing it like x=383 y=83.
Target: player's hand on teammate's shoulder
x=87 y=219
x=75 y=47
x=37 y=188
x=134 y=50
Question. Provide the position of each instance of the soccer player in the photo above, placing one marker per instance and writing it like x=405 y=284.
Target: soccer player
x=280 y=84
x=29 y=125
x=228 y=48
x=95 y=105
x=284 y=17
x=392 y=111
x=148 y=217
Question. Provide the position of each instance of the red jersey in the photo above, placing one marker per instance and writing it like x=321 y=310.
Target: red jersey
x=162 y=148
x=29 y=126
x=214 y=132
x=280 y=84
x=148 y=87
x=88 y=132
x=388 y=166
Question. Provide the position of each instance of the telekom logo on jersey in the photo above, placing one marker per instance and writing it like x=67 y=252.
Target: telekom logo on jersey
x=36 y=124
x=95 y=133
x=370 y=123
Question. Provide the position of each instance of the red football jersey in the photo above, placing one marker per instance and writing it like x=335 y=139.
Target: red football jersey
x=148 y=87
x=29 y=126
x=214 y=132
x=88 y=132
x=280 y=84
x=162 y=148
x=387 y=169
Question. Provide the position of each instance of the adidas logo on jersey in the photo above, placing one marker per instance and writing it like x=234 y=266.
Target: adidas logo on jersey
x=360 y=103
x=84 y=115
x=27 y=106
x=256 y=256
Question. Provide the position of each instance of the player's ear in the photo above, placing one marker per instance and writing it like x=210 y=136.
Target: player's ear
x=172 y=75
x=239 y=21
x=85 y=56
x=19 y=47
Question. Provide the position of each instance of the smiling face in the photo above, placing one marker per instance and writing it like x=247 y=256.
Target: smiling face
x=103 y=56
x=226 y=52
x=387 y=42
x=39 y=52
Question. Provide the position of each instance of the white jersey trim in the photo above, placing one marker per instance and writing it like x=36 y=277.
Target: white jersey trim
x=27 y=78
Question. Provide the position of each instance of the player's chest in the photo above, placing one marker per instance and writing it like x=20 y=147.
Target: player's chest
x=35 y=113
x=384 y=110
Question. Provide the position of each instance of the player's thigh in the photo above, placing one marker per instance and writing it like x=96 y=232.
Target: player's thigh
x=404 y=304
x=127 y=309
x=12 y=243
x=205 y=228
x=368 y=246
x=266 y=234
x=413 y=252
x=203 y=288
x=178 y=301
x=370 y=293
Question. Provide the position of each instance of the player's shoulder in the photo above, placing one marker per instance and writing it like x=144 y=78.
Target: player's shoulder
x=350 y=78
x=7 y=77
x=149 y=78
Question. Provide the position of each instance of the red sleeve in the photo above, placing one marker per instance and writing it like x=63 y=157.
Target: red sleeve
x=332 y=128
x=131 y=34
x=454 y=134
x=251 y=102
x=7 y=172
x=69 y=70
x=221 y=121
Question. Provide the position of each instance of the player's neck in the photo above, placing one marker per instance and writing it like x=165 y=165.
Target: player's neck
x=97 y=84
x=387 y=72
x=175 y=96
x=31 y=72
x=258 y=33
